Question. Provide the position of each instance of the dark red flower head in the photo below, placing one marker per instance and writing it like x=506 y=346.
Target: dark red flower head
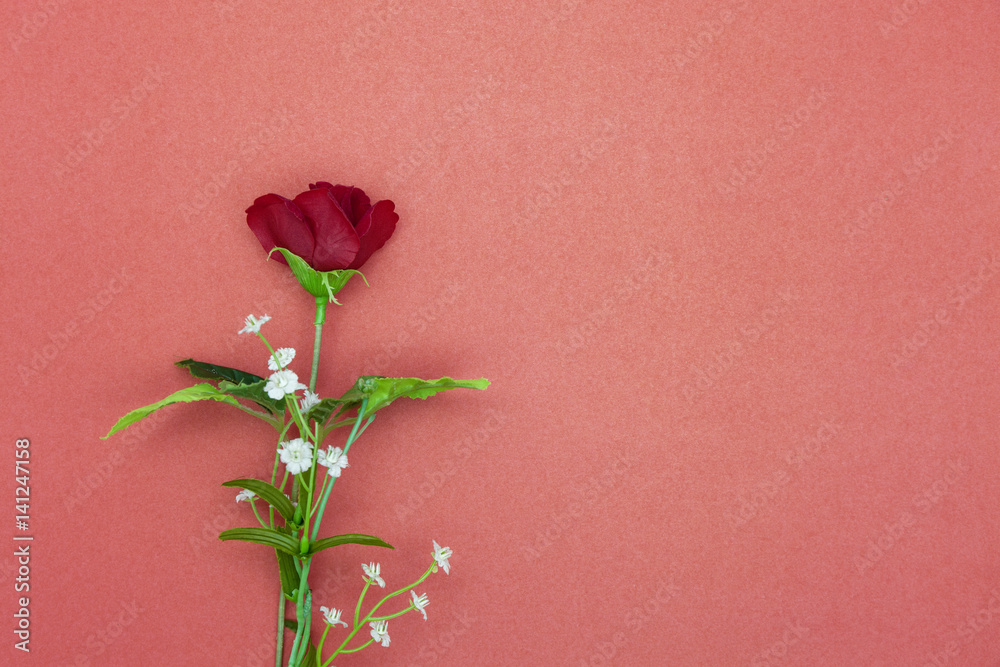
x=329 y=226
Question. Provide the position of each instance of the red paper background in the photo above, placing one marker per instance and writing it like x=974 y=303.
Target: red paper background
x=678 y=238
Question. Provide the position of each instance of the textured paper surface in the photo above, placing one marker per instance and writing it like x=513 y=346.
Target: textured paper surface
x=732 y=268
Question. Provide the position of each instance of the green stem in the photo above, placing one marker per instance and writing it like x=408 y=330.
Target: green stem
x=355 y=650
x=401 y=590
x=300 y=615
x=347 y=446
x=357 y=609
x=321 y=302
x=254 y=508
x=281 y=628
x=322 y=640
x=386 y=618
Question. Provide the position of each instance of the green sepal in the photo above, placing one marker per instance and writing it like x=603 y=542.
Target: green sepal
x=267 y=536
x=268 y=493
x=352 y=538
x=200 y=369
x=324 y=284
x=199 y=392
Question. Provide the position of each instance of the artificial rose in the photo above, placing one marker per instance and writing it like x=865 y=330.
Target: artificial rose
x=331 y=227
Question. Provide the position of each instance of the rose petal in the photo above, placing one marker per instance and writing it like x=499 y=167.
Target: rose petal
x=337 y=243
x=375 y=228
x=353 y=201
x=278 y=222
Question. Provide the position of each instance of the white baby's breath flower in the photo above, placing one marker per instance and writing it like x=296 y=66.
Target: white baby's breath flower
x=284 y=355
x=309 y=399
x=281 y=383
x=372 y=572
x=245 y=494
x=420 y=602
x=380 y=632
x=441 y=555
x=332 y=616
x=296 y=455
x=253 y=324
x=335 y=459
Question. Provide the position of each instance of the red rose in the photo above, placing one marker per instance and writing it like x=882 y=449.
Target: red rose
x=329 y=226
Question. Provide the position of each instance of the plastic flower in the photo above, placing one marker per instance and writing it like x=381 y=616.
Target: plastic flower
x=441 y=555
x=335 y=459
x=371 y=571
x=380 y=632
x=245 y=494
x=331 y=227
x=309 y=399
x=296 y=455
x=253 y=324
x=332 y=616
x=284 y=355
x=420 y=602
x=281 y=383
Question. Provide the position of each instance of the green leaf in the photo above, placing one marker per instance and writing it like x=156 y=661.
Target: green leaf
x=200 y=369
x=255 y=392
x=309 y=660
x=322 y=410
x=271 y=538
x=268 y=493
x=353 y=538
x=318 y=283
x=199 y=392
x=381 y=391
x=289 y=576
x=292 y=624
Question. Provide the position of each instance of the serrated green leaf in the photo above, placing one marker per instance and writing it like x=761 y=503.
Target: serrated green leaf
x=381 y=391
x=200 y=369
x=268 y=493
x=271 y=538
x=322 y=410
x=254 y=392
x=199 y=392
x=353 y=538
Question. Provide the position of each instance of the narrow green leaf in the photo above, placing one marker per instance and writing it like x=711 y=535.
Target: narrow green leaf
x=353 y=538
x=289 y=577
x=271 y=538
x=200 y=369
x=268 y=493
x=199 y=392
x=255 y=392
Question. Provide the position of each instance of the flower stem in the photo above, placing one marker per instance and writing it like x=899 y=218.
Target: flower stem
x=326 y=492
x=281 y=628
x=321 y=302
x=300 y=614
